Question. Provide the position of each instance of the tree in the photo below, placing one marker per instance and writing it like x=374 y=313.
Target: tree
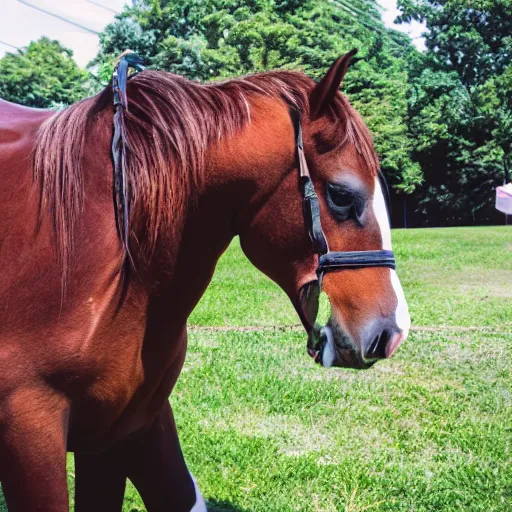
x=460 y=106
x=503 y=118
x=459 y=157
x=215 y=39
x=471 y=37
x=42 y=75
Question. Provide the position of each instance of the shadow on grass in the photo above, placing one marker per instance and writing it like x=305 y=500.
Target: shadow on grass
x=224 y=506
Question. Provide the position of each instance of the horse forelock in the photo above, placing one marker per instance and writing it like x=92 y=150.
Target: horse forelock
x=169 y=125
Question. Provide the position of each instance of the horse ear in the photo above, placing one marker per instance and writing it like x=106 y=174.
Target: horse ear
x=324 y=92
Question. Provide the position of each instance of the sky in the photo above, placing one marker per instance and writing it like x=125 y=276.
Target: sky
x=414 y=29
x=21 y=22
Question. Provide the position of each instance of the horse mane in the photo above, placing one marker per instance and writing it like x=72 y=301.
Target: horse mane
x=169 y=125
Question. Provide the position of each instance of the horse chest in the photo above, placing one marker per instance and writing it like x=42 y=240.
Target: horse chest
x=127 y=386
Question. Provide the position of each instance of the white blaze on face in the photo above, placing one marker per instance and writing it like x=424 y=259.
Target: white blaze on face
x=403 y=320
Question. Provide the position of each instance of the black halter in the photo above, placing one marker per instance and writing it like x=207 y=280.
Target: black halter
x=329 y=261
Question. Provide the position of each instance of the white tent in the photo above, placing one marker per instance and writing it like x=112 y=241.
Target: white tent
x=504 y=199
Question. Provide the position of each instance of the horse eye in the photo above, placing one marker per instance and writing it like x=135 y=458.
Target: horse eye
x=340 y=197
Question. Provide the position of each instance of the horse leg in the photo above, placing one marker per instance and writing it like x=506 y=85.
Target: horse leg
x=157 y=469
x=33 y=451
x=100 y=481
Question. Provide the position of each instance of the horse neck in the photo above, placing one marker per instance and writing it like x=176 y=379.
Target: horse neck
x=241 y=172
x=246 y=168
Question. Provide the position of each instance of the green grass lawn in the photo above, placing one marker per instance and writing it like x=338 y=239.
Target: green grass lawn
x=264 y=429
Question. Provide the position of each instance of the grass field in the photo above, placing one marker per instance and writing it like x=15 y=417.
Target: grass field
x=264 y=429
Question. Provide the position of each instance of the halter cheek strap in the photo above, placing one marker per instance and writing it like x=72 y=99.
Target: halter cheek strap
x=310 y=204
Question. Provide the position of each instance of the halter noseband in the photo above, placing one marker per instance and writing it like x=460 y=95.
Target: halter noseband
x=329 y=261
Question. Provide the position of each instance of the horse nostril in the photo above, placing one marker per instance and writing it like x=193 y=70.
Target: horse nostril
x=385 y=343
x=377 y=349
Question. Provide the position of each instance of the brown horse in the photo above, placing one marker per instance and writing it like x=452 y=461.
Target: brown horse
x=92 y=343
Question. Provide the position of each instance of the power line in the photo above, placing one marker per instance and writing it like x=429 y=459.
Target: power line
x=373 y=26
x=102 y=6
x=348 y=9
x=10 y=45
x=382 y=29
x=356 y=12
x=66 y=20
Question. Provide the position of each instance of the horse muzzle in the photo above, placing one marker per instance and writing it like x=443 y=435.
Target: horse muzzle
x=330 y=347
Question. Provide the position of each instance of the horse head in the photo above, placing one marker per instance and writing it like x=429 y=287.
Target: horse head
x=369 y=315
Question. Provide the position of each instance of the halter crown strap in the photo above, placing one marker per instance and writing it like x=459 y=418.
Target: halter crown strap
x=120 y=78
